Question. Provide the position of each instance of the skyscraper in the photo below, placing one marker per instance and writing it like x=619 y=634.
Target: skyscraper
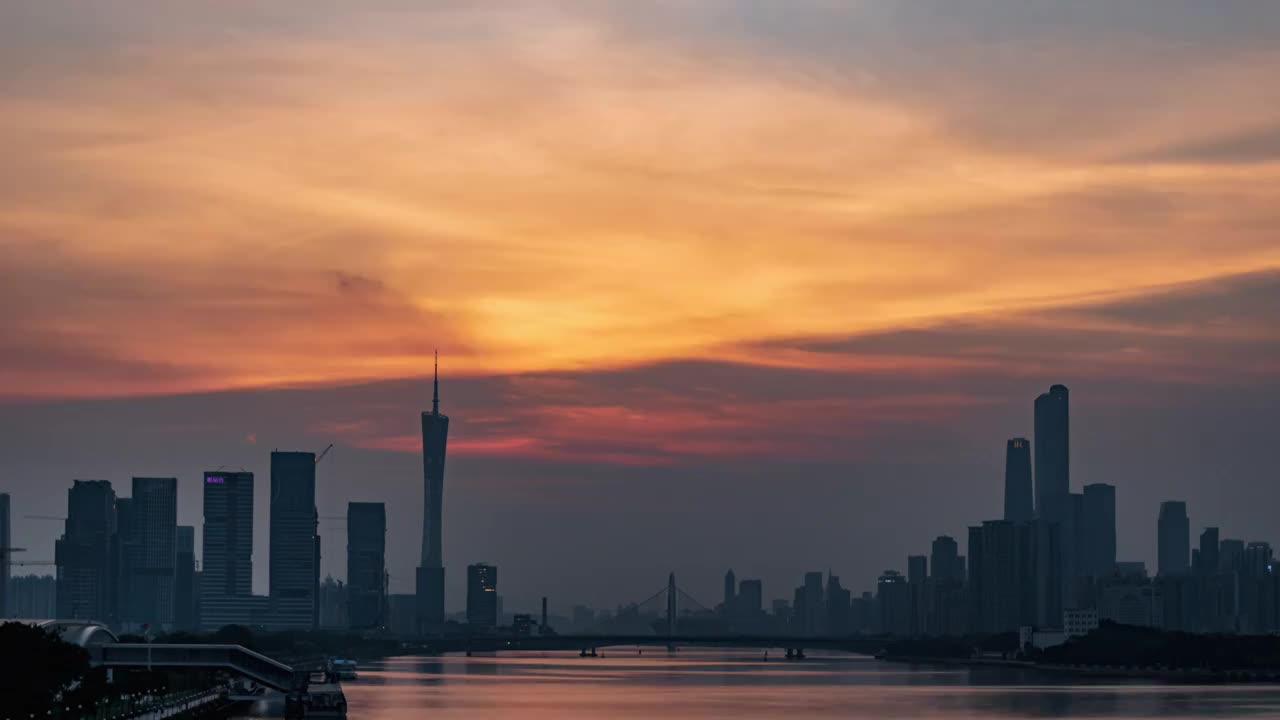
x=149 y=544
x=6 y=548
x=366 y=564
x=893 y=603
x=1000 y=576
x=1052 y=454
x=1097 y=529
x=1056 y=537
x=482 y=596
x=184 y=584
x=1173 y=534
x=750 y=598
x=837 y=607
x=294 y=572
x=430 y=574
x=1208 y=552
x=86 y=576
x=814 y=604
x=730 y=590
x=917 y=569
x=226 y=581
x=946 y=560
x=1018 y=503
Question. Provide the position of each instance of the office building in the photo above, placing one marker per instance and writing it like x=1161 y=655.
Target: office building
x=184 y=583
x=750 y=598
x=812 y=608
x=86 y=572
x=333 y=599
x=1078 y=623
x=1097 y=530
x=429 y=581
x=1173 y=538
x=522 y=625
x=294 y=570
x=226 y=572
x=148 y=530
x=124 y=552
x=1230 y=555
x=730 y=591
x=945 y=558
x=33 y=596
x=837 y=597
x=1056 y=535
x=366 y=564
x=917 y=569
x=1207 y=558
x=893 y=603
x=402 y=611
x=1018 y=498
x=1001 y=568
x=6 y=551
x=1052 y=454
x=482 y=597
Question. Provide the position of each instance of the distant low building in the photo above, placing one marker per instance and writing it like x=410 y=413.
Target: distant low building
x=482 y=596
x=1029 y=637
x=522 y=625
x=1078 y=623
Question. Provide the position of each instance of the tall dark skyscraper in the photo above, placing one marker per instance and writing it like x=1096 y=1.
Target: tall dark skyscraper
x=1052 y=454
x=86 y=573
x=1208 y=552
x=730 y=590
x=945 y=558
x=294 y=572
x=149 y=544
x=1097 y=529
x=1001 y=591
x=1056 y=536
x=184 y=584
x=1174 y=538
x=226 y=580
x=6 y=547
x=750 y=600
x=893 y=603
x=430 y=574
x=366 y=565
x=482 y=596
x=1018 y=501
x=917 y=569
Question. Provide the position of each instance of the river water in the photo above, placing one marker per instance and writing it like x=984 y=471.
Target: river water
x=701 y=684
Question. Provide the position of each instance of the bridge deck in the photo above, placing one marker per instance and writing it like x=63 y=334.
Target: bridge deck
x=255 y=666
x=864 y=645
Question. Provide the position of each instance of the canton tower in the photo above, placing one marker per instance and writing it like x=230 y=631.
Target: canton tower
x=430 y=574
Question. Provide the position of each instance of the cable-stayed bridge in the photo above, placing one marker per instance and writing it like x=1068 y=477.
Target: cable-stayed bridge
x=672 y=605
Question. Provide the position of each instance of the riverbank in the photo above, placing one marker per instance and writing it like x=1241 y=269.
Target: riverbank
x=1199 y=676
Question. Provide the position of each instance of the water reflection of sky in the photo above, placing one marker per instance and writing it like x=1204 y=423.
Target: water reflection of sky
x=704 y=684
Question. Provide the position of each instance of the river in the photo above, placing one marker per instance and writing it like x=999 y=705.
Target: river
x=702 y=684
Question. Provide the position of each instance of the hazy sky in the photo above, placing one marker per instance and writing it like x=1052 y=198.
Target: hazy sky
x=761 y=284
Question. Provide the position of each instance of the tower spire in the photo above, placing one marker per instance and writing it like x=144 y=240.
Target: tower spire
x=435 y=387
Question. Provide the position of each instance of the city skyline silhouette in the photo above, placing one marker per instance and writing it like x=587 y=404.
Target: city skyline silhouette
x=714 y=284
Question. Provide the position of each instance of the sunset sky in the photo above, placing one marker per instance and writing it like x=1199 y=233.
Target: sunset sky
x=760 y=283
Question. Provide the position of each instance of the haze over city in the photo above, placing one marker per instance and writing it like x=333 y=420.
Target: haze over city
x=680 y=329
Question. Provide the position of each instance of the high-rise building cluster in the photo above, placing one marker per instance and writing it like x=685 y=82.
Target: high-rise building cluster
x=1048 y=562
x=125 y=561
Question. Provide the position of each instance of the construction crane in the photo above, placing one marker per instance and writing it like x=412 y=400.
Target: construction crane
x=323 y=453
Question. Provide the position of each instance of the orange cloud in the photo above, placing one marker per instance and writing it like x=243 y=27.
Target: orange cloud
x=559 y=192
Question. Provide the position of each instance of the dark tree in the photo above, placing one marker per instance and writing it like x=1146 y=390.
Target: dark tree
x=36 y=665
